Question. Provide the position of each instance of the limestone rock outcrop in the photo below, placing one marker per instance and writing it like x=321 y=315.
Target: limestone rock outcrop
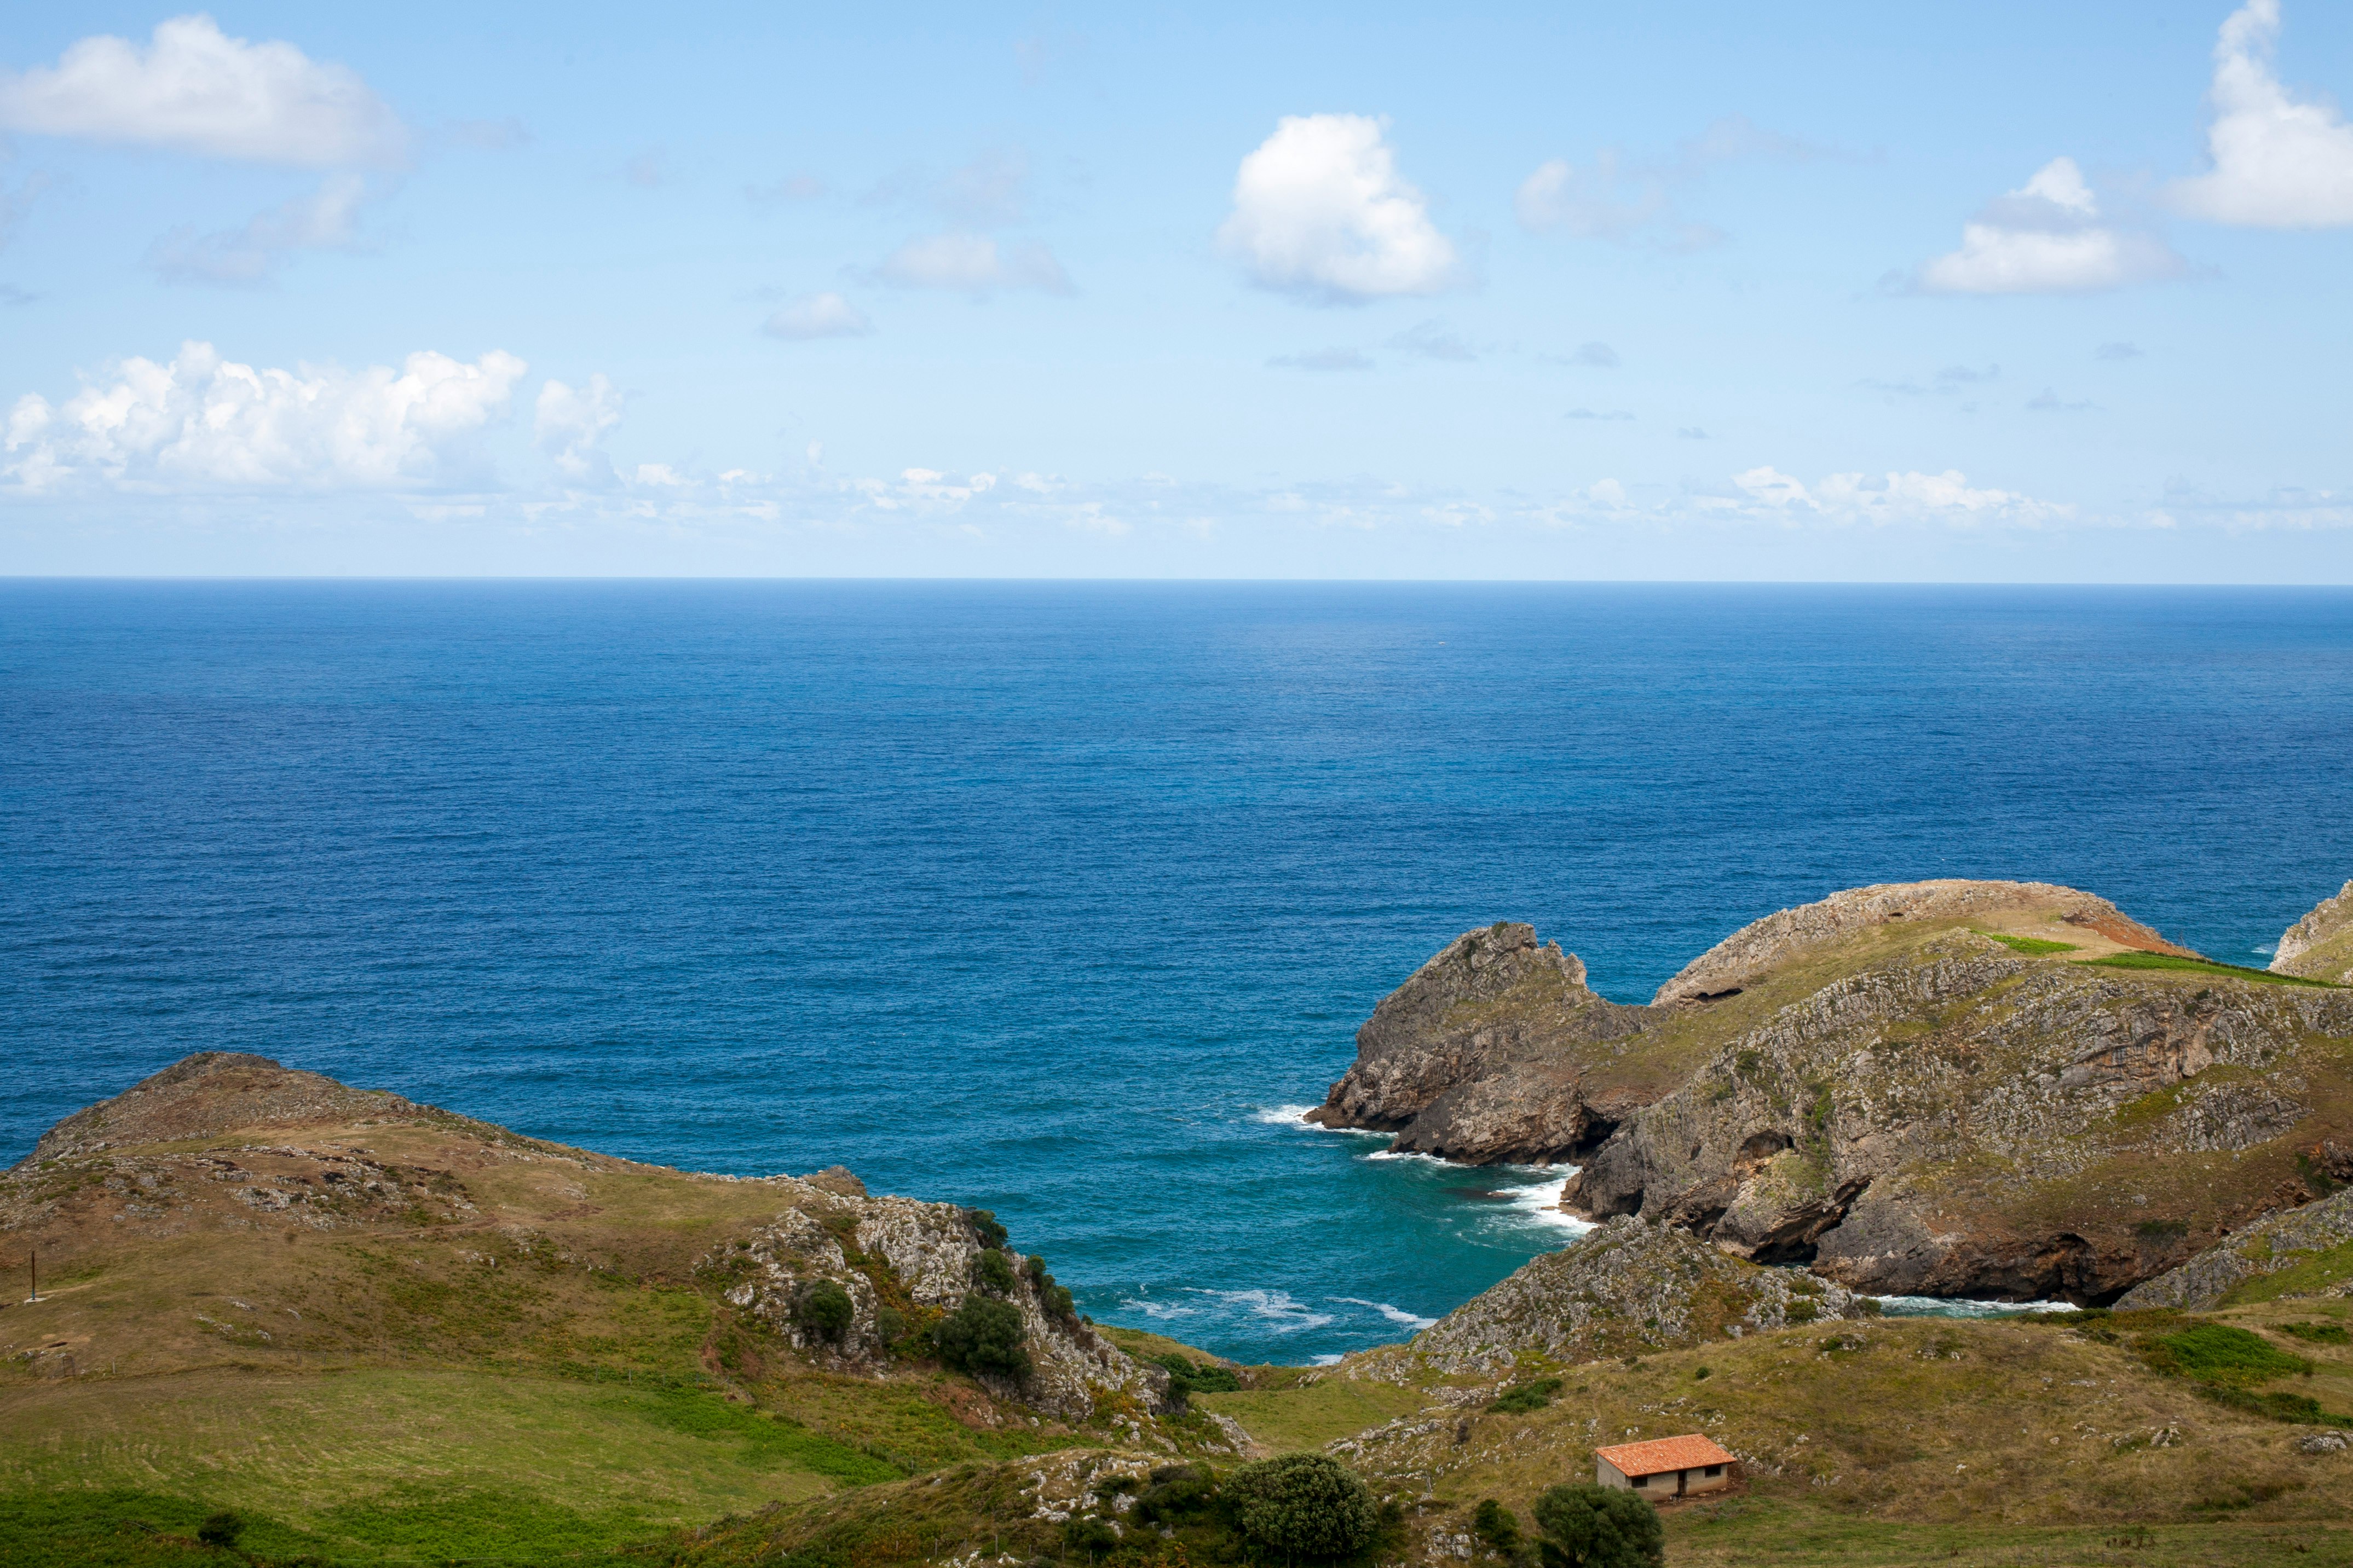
x=1481 y=1055
x=2312 y=1240
x=1625 y=1287
x=1957 y=1118
x=2320 y=945
x=925 y=1256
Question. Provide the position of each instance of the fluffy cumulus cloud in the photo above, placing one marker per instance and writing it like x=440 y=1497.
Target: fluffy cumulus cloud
x=2047 y=237
x=2279 y=162
x=1897 y=498
x=1320 y=211
x=197 y=90
x=200 y=421
x=824 y=315
x=972 y=264
x=570 y=424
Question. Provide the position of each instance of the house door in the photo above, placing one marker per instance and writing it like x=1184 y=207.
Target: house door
x=1682 y=1477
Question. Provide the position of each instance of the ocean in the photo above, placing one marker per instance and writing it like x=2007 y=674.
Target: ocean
x=1063 y=899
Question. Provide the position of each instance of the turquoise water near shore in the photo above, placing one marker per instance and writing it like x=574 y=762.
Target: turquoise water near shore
x=1050 y=897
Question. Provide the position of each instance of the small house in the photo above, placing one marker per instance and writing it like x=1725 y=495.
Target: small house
x=1665 y=1467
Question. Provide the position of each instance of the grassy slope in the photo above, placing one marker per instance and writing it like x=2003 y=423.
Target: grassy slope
x=523 y=1362
x=1871 y=1445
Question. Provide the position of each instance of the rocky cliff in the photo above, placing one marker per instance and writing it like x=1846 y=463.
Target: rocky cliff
x=1480 y=1057
x=1627 y=1288
x=1994 y=1089
x=2304 y=1251
x=2320 y=945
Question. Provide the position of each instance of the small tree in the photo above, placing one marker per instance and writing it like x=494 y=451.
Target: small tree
x=221 y=1530
x=1496 y=1528
x=983 y=1335
x=1302 y=1505
x=993 y=1272
x=1588 y=1526
x=824 y=1310
x=992 y=1235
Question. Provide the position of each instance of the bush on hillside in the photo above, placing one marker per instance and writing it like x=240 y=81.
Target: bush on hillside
x=1302 y=1505
x=1497 y=1528
x=1521 y=1398
x=1176 y=1492
x=994 y=1273
x=221 y=1530
x=1054 y=1297
x=983 y=1335
x=1091 y=1537
x=824 y=1308
x=1588 y=1526
x=992 y=1235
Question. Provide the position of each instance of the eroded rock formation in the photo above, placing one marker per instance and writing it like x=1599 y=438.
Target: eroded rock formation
x=2313 y=1240
x=1480 y=1057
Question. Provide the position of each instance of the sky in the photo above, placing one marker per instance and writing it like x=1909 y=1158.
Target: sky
x=1710 y=291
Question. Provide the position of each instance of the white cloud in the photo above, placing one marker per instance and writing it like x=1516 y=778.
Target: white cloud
x=570 y=425
x=818 y=316
x=326 y=219
x=974 y=264
x=199 y=423
x=2278 y=162
x=2047 y=237
x=1321 y=359
x=1320 y=210
x=1947 y=498
x=199 y=90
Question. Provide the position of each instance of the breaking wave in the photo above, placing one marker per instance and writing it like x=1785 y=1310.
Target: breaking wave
x=1398 y=1315
x=1281 y=1311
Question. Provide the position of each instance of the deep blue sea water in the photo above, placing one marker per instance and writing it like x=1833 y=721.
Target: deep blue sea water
x=1047 y=898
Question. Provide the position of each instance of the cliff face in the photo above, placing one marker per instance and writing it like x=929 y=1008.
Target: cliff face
x=2320 y=945
x=1961 y=1119
x=1627 y=1287
x=1481 y=1055
x=2311 y=1245
x=1938 y=1088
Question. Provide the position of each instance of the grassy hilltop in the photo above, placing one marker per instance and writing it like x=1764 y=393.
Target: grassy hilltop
x=381 y=1332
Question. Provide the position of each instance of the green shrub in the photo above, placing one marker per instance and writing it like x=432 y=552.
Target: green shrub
x=1091 y=1536
x=2318 y=1333
x=1521 y=1398
x=1803 y=1310
x=1588 y=1526
x=824 y=1308
x=1187 y=1378
x=1302 y=1505
x=1176 y=1491
x=2217 y=1353
x=994 y=1273
x=221 y=1530
x=1496 y=1527
x=890 y=1324
x=992 y=1235
x=983 y=1335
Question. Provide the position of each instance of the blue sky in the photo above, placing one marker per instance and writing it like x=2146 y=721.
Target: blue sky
x=1714 y=291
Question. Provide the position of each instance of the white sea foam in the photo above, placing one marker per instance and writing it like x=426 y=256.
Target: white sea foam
x=1285 y=1313
x=1402 y=1155
x=2266 y=950
x=1413 y=1321
x=1296 y=1116
x=1334 y=1358
x=1540 y=1203
x=1941 y=1307
x=1157 y=1308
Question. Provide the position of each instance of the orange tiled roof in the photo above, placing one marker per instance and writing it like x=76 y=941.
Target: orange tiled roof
x=1664 y=1453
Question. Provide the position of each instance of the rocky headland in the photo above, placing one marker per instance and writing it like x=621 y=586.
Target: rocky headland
x=2320 y=945
x=1985 y=1090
